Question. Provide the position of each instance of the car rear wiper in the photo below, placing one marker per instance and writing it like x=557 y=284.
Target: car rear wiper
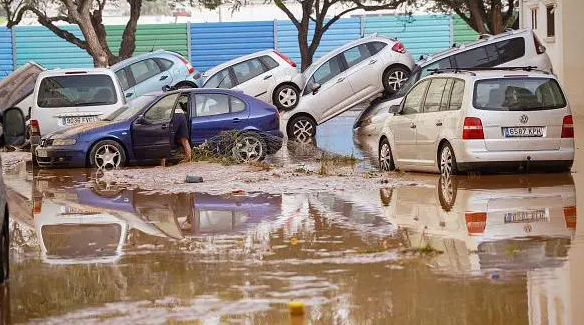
x=89 y=104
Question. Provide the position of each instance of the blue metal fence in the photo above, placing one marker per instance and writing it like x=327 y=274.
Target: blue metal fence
x=215 y=43
x=341 y=32
x=6 y=64
x=420 y=34
x=36 y=43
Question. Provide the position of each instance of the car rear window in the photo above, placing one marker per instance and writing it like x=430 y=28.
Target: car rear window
x=76 y=90
x=518 y=94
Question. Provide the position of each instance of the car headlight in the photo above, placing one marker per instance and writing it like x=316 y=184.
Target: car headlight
x=64 y=142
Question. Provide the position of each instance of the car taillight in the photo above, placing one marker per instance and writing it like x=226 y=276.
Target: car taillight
x=34 y=127
x=476 y=222
x=186 y=62
x=285 y=58
x=472 y=129
x=539 y=48
x=399 y=48
x=570 y=217
x=568 y=127
x=37 y=204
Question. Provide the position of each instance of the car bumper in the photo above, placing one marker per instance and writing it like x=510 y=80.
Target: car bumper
x=274 y=140
x=65 y=157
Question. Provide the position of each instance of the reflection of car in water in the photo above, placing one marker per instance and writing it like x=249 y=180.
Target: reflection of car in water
x=476 y=221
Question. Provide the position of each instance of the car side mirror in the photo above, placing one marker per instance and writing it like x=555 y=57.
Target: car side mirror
x=14 y=129
x=395 y=109
x=314 y=87
x=141 y=120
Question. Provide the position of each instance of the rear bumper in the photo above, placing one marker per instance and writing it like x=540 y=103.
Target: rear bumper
x=474 y=151
x=61 y=158
x=533 y=165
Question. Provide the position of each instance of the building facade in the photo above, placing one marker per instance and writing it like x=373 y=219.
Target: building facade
x=558 y=24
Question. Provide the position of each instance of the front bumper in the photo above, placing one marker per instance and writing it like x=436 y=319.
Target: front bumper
x=274 y=140
x=60 y=157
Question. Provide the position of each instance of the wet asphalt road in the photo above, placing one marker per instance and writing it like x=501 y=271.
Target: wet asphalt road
x=504 y=249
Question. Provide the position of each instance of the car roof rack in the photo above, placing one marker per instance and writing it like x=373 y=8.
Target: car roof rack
x=470 y=70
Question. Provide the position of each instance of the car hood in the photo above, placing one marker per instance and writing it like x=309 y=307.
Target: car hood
x=76 y=131
x=370 y=110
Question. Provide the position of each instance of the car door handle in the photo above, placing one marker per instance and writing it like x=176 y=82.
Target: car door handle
x=438 y=123
x=129 y=95
x=372 y=61
x=340 y=79
x=412 y=126
x=163 y=78
x=163 y=126
x=268 y=77
x=236 y=120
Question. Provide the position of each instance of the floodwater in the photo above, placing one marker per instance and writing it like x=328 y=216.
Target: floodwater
x=502 y=249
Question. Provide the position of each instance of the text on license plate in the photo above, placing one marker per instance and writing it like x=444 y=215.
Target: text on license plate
x=532 y=131
x=527 y=216
x=79 y=120
x=40 y=152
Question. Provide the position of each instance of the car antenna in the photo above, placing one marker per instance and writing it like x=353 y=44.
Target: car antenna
x=153 y=45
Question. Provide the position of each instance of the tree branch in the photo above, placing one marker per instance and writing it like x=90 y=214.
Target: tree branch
x=280 y=4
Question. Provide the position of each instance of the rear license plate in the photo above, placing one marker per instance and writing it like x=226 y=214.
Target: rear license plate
x=40 y=152
x=79 y=120
x=527 y=216
x=533 y=131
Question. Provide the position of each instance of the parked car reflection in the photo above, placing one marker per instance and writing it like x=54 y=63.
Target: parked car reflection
x=505 y=222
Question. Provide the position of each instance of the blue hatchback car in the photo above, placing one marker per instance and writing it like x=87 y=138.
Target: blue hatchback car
x=143 y=132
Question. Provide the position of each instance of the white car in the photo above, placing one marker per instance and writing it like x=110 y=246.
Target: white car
x=510 y=49
x=63 y=98
x=349 y=75
x=465 y=120
x=267 y=75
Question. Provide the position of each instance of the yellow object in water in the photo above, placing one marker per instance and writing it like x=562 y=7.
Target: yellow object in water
x=296 y=308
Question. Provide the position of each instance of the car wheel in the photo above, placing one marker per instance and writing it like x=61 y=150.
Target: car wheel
x=5 y=250
x=107 y=154
x=386 y=162
x=250 y=147
x=301 y=128
x=447 y=189
x=447 y=160
x=394 y=78
x=286 y=97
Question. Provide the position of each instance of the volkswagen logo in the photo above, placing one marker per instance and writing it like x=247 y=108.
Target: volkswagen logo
x=523 y=119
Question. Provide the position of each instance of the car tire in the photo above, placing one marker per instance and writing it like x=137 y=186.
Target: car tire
x=301 y=128
x=250 y=147
x=5 y=250
x=112 y=155
x=394 y=78
x=447 y=190
x=386 y=162
x=447 y=160
x=286 y=97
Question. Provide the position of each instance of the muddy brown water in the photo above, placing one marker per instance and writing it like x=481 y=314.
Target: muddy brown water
x=504 y=249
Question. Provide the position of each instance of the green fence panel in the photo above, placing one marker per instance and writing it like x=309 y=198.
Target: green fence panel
x=171 y=37
x=462 y=31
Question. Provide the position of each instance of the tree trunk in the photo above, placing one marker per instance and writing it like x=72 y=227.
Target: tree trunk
x=305 y=56
x=496 y=23
x=128 y=45
x=478 y=24
x=94 y=46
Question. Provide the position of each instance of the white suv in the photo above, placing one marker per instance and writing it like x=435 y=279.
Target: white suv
x=463 y=120
x=345 y=77
x=267 y=75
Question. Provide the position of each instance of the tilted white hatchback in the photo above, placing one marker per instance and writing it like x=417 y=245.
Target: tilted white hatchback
x=465 y=120
x=349 y=75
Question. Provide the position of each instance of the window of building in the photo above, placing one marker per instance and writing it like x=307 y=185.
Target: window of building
x=533 y=18
x=551 y=20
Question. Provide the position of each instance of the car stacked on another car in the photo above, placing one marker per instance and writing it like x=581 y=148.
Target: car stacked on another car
x=461 y=120
x=349 y=75
x=509 y=49
x=150 y=72
x=267 y=75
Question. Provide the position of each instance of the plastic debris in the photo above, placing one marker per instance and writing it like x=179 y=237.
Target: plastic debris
x=194 y=179
x=296 y=308
x=238 y=192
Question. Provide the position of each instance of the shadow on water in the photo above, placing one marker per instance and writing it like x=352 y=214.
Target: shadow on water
x=457 y=250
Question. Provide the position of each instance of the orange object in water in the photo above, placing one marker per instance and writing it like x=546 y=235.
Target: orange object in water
x=296 y=308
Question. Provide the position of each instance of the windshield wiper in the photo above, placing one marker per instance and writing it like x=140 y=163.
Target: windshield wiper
x=89 y=104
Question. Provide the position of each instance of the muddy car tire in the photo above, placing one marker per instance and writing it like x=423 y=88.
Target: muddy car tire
x=250 y=147
x=5 y=250
x=301 y=128
x=394 y=78
x=107 y=154
x=286 y=97
x=386 y=162
x=447 y=160
x=447 y=190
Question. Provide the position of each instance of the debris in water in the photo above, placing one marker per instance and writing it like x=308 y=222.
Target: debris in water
x=194 y=179
x=296 y=308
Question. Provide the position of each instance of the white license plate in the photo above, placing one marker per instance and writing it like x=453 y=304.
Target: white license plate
x=40 y=152
x=532 y=131
x=79 y=120
x=527 y=216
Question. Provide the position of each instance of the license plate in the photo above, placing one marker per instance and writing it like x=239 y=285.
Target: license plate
x=40 y=152
x=533 y=131
x=79 y=120
x=527 y=216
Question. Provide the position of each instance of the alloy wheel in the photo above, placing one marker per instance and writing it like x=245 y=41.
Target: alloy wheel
x=248 y=149
x=287 y=97
x=396 y=79
x=385 y=157
x=107 y=157
x=446 y=161
x=303 y=130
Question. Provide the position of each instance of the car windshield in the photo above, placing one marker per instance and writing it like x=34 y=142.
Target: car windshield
x=518 y=94
x=403 y=90
x=77 y=90
x=125 y=112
